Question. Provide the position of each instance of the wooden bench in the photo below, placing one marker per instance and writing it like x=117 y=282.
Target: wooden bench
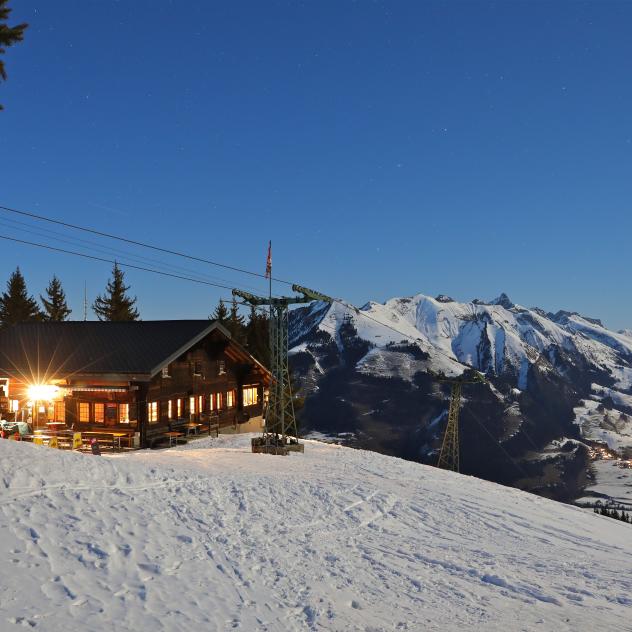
x=170 y=434
x=155 y=435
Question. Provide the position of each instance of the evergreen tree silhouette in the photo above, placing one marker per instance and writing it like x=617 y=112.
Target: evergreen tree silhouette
x=258 y=335
x=115 y=304
x=16 y=306
x=221 y=313
x=236 y=323
x=55 y=306
x=9 y=35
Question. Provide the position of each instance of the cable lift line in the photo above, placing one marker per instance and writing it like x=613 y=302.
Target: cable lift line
x=105 y=249
x=138 y=243
x=113 y=261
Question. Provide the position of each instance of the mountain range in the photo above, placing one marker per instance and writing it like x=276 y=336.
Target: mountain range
x=556 y=384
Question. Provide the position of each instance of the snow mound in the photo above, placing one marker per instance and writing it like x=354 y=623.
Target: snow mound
x=212 y=537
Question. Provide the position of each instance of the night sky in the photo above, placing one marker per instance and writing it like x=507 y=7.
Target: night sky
x=386 y=148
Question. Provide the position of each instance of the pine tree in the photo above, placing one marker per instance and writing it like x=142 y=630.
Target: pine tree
x=9 y=35
x=55 y=306
x=221 y=313
x=236 y=323
x=115 y=304
x=16 y=306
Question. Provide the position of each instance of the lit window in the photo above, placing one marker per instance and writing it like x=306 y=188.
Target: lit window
x=165 y=371
x=179 y=407
x=200 y=403
x=60 y=411
x=123 y=413
x=219 y=401
x=197 y=368
x=99 y=413
x=170 y=409
x=222 y=367
x=84 y=412
x=211 y=401
x=192 y=405
x=251 y=395
x=152 y=412
x=230 y=399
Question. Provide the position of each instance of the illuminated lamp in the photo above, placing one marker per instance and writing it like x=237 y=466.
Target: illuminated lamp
x=39 y=392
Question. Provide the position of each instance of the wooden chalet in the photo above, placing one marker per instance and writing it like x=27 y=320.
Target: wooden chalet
x=144 y=378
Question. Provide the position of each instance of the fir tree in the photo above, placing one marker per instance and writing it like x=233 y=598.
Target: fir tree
x=221 y=313
x=16 y=306
x=55 y=306
x=236 y=323
x=115 y=304
x=9 y=35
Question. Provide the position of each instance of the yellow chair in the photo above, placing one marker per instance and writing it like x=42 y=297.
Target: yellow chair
x=77 y=443
x=53 y=442
x=38 y=441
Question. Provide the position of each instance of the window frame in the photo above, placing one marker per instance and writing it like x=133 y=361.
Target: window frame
x=83 y=406
x=100 y=406
x=59 y=410
x=120 y=418
x=250 y=395
x=152 y=412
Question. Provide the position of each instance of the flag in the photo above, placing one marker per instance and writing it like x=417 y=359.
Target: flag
x=269 y=261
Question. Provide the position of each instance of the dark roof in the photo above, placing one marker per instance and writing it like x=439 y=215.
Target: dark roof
x=44 y=349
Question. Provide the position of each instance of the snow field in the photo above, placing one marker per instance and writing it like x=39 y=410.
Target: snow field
x=209 y=536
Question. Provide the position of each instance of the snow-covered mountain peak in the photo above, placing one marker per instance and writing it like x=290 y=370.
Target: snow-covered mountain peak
x=552 y=375
x=504 y=301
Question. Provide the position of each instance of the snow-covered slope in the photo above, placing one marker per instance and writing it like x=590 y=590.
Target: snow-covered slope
x=216 y=538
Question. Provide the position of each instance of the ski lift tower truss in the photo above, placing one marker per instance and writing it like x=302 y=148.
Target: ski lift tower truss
x=450 y=450
x=280 y=435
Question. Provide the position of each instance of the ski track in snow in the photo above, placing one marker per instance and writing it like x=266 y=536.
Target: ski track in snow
x=209 y=536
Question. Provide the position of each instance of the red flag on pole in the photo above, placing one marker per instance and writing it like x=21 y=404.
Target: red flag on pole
x=269 y=261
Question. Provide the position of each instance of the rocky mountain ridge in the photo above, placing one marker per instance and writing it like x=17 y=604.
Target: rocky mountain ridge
x=369 y=375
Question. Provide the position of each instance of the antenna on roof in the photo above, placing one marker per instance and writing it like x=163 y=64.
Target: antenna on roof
x=85 y=300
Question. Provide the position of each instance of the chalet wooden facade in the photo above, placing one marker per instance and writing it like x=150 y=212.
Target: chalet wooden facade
x=142 y=378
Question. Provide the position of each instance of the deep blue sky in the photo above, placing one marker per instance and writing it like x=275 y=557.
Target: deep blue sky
x=387 y=148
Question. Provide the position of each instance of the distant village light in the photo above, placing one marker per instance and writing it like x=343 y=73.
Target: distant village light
x=42 y=392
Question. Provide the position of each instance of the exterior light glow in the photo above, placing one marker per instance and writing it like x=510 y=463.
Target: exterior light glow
x=45 y=392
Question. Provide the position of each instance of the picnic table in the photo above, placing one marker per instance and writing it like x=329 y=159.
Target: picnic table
x=38 y=438
x=193 y=428
x=114 y=437
x=56 y=426
x=173 y=437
